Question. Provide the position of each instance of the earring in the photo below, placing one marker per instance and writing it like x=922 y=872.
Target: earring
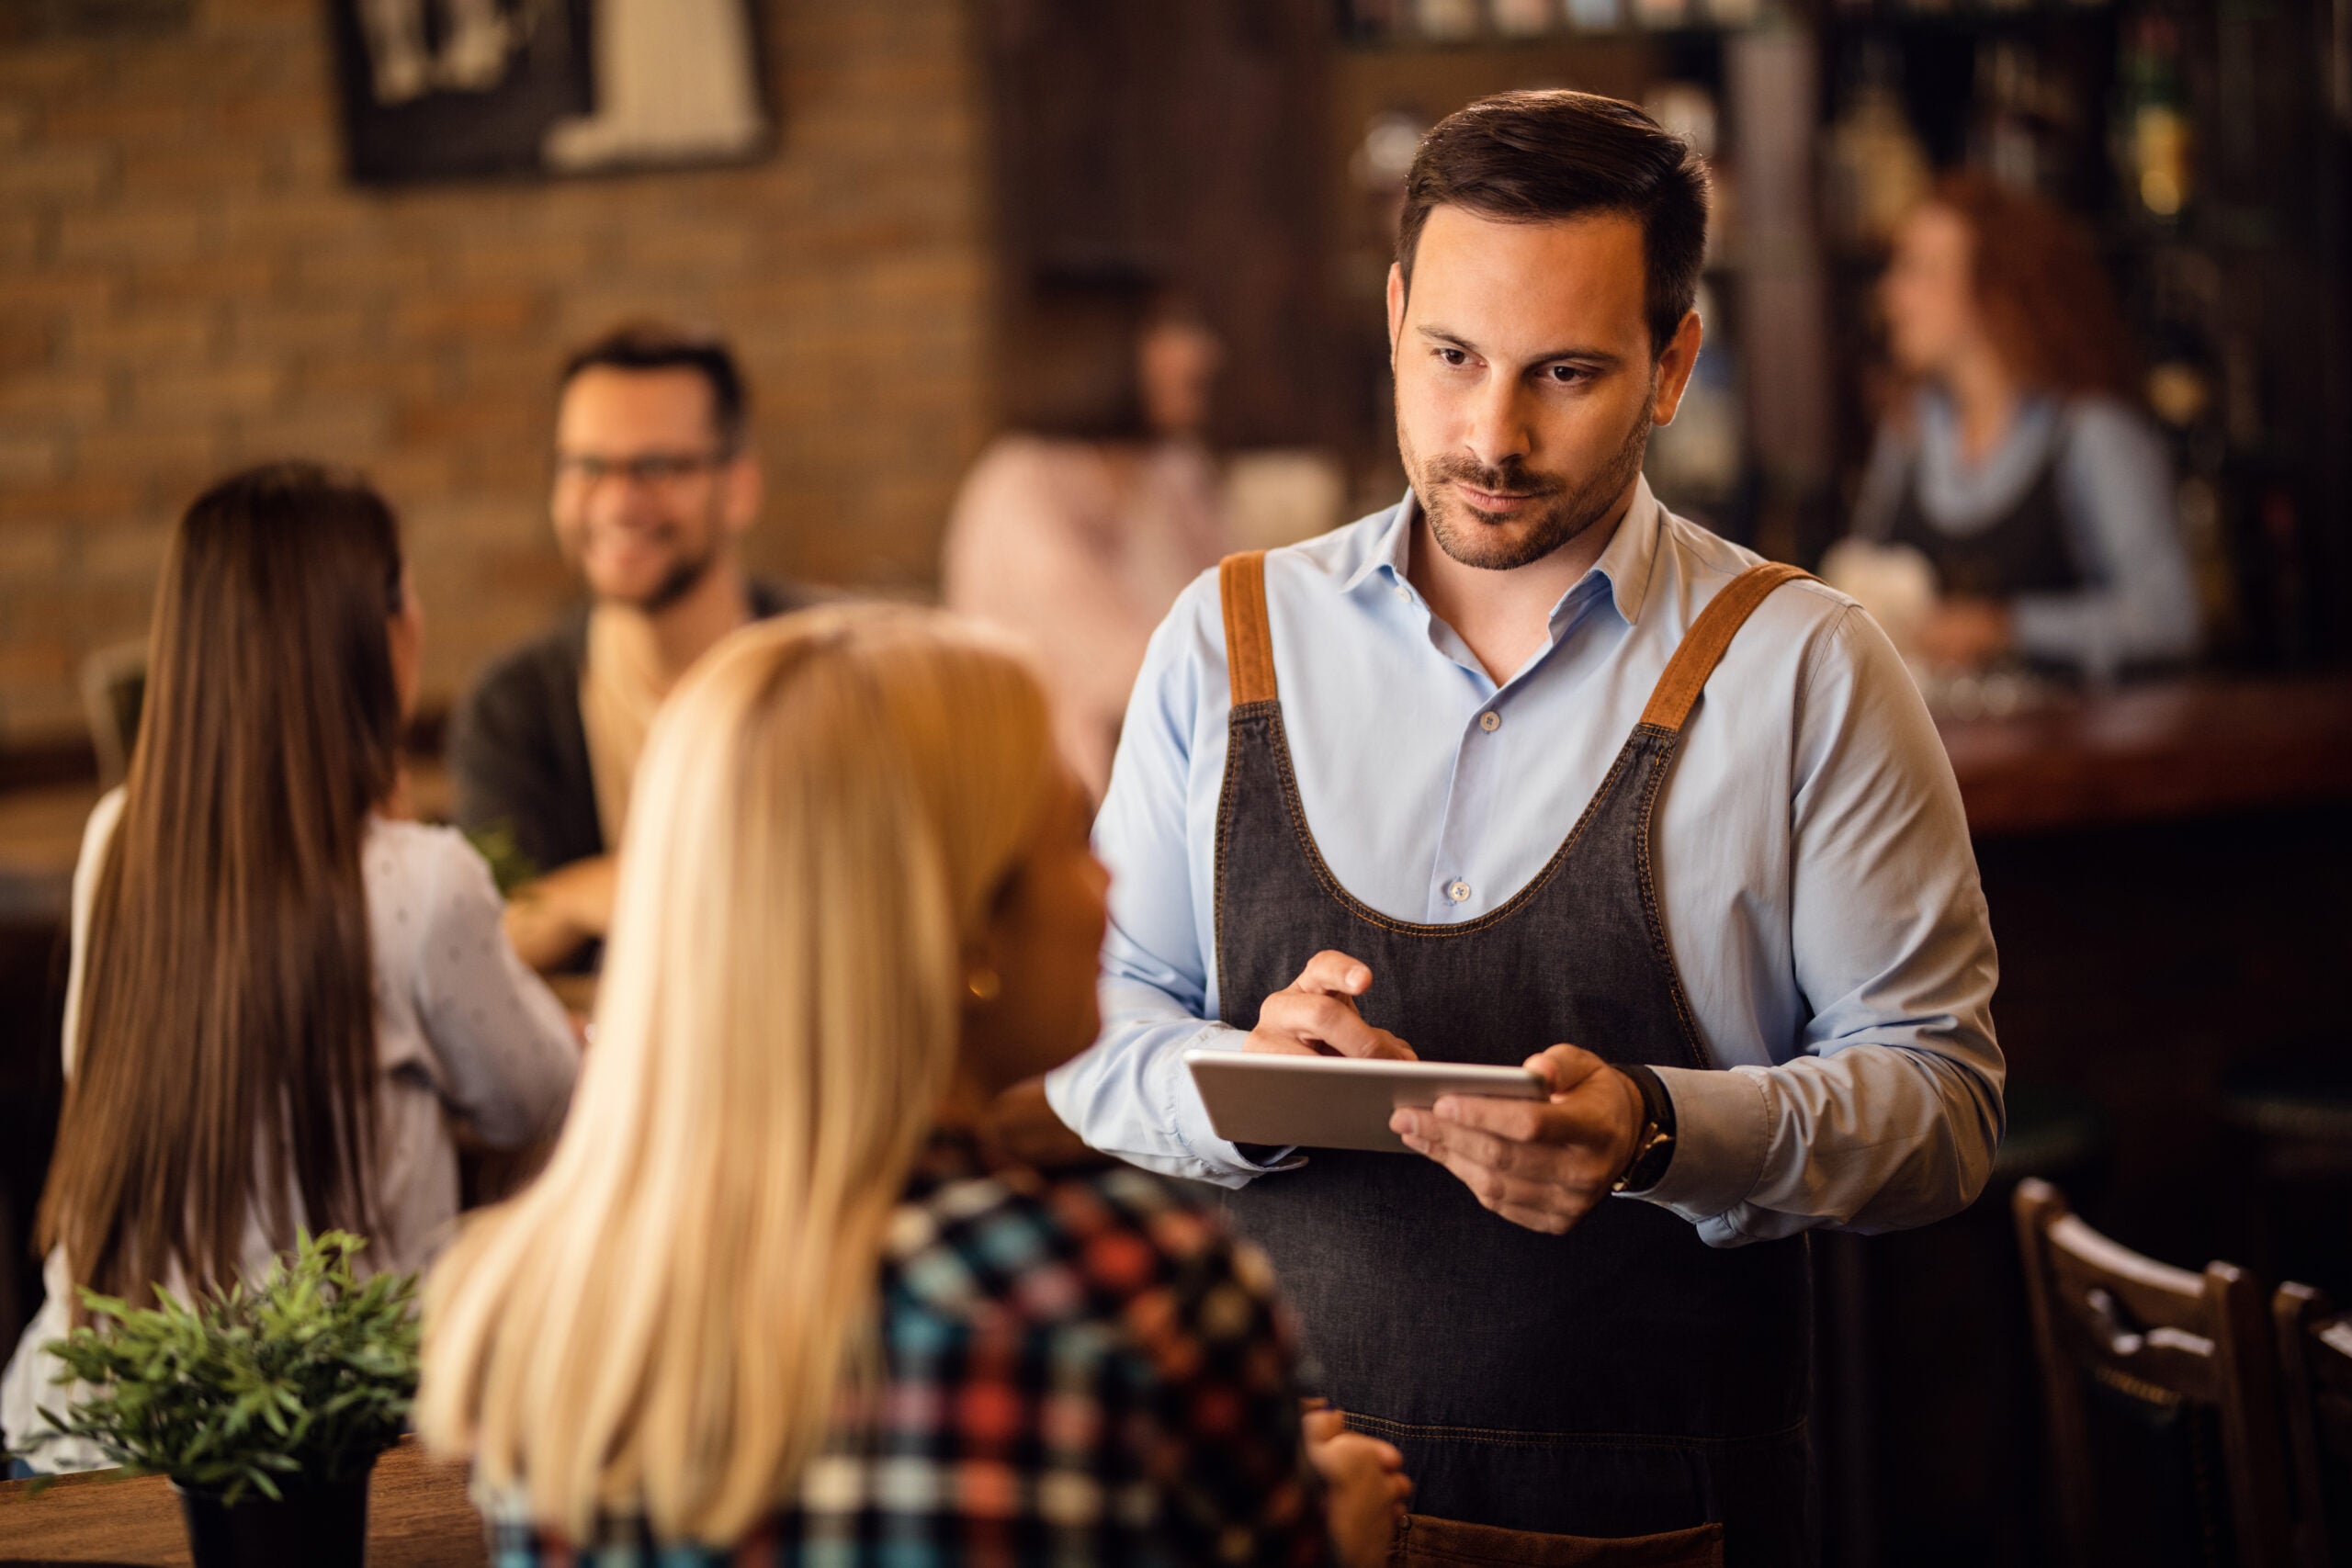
x=984 y=984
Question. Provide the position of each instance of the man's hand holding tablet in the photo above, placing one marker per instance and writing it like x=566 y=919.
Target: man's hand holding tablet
x=1313 y=1073
x=1542 y=1164
x=1538 y=1160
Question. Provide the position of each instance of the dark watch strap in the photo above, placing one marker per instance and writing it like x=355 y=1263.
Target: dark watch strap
x=1655 y=1151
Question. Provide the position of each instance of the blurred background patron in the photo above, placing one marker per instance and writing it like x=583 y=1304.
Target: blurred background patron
x=654 y=491
x=281 y=996
x=2013 y=457
x=1080 y=525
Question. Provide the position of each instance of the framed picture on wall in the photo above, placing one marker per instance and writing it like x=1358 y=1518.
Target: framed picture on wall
x=452 y=89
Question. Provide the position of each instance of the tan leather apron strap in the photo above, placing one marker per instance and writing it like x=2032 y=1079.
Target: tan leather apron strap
x=1703 y=646
x=1249 y=635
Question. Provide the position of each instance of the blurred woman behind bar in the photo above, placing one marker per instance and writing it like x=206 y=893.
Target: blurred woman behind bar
x=2016 y=460
x=1078 y=527
x=279 y=995
x=772 y=1298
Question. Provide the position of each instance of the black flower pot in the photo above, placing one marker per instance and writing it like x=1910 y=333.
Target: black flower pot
x=321 y=1527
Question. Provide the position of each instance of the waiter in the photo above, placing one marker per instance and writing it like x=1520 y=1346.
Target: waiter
x=1527 y=769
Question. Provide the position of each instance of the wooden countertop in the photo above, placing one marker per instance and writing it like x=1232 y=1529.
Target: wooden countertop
x=2168 y=751
x=418 y=1517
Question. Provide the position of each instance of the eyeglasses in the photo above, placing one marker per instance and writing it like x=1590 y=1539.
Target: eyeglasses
x=652 y=469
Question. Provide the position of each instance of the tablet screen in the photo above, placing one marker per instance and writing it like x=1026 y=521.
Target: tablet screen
x=1335 y=1102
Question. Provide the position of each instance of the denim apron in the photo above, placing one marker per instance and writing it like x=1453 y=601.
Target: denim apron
x=1624 y=1380
x=2026 y=551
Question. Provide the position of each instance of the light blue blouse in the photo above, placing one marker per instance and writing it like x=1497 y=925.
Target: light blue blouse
x=2115 y=486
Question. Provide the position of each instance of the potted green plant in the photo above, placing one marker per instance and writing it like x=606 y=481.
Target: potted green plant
x=267 y=1406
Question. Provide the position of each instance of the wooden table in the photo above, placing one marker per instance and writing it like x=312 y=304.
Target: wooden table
x=418 y=1517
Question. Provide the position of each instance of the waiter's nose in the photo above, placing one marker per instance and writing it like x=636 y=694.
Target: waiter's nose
x=1497 y=427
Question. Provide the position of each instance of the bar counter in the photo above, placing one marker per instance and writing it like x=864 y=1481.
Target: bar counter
x=2164 y=751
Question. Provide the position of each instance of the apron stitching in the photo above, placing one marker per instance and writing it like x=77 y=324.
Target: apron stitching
x=1497 y=1436
x=1474 y=1557
x=1279 y=744
x=1656 y=921
x=1225 y=795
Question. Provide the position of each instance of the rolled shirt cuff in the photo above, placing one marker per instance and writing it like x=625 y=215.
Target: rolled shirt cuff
x=1722 y=1131
x=1232 y=1163
x=1174 y=1137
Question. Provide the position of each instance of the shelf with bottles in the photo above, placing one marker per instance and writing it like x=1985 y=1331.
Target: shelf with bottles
x=1441 y=23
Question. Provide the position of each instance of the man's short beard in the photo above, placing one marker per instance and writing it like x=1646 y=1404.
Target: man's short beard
x=683 y=577
x=686 y=573
x=1569 y=510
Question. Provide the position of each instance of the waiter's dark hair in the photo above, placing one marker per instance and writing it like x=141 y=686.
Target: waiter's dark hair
x=1537 y=157
x=647 y=344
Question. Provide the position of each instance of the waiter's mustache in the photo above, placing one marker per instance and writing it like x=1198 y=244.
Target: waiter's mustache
x=1512 y=478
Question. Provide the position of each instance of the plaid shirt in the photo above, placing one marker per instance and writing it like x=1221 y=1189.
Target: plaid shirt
x=1080 y=1369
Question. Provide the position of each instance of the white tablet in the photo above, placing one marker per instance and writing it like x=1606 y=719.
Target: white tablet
x=1335 y=1102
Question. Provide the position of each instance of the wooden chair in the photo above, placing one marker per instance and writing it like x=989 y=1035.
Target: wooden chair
x=2162 y=1397
x=114 y=687
x=2315 y=1375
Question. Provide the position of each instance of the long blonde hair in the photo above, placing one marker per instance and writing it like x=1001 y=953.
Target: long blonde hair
x=664 y=1321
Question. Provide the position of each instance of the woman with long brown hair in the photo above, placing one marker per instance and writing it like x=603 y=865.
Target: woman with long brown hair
x=279 y=995
x=2016 y=459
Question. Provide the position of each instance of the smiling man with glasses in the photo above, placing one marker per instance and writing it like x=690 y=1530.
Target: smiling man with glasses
x=653 y=489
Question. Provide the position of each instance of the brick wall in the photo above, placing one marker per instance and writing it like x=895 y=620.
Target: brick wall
x=187 y=283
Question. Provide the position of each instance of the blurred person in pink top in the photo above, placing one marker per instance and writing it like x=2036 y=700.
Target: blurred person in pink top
x=1077 y=527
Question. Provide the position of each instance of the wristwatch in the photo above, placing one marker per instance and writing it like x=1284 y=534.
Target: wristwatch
x=1653 y=1141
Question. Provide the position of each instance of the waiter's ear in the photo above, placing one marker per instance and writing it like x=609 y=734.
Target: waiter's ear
x=1674 y=368
x=1395 y=308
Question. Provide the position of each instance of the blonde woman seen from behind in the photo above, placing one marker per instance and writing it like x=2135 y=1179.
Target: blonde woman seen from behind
x=770 y=1294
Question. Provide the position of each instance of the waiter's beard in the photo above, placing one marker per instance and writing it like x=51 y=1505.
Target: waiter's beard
x=1571 y=506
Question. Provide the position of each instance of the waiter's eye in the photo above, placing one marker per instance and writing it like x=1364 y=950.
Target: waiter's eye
x=1567 y=375
x=1454 y=357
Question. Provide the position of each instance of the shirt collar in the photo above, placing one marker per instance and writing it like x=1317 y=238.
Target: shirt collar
x=1632 y=556
x=1390 y=548
x=1625 y=566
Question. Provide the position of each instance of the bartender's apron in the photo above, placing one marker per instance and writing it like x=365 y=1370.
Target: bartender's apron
x=2025 y=550
x=1622 y=1381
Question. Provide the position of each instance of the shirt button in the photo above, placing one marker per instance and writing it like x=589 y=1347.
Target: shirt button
x=1404 y=594
x=1458 y=891
x=1490 y=721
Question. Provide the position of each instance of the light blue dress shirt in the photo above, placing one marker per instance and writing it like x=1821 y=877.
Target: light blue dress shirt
x=1811 y=861
x=2115 y=488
